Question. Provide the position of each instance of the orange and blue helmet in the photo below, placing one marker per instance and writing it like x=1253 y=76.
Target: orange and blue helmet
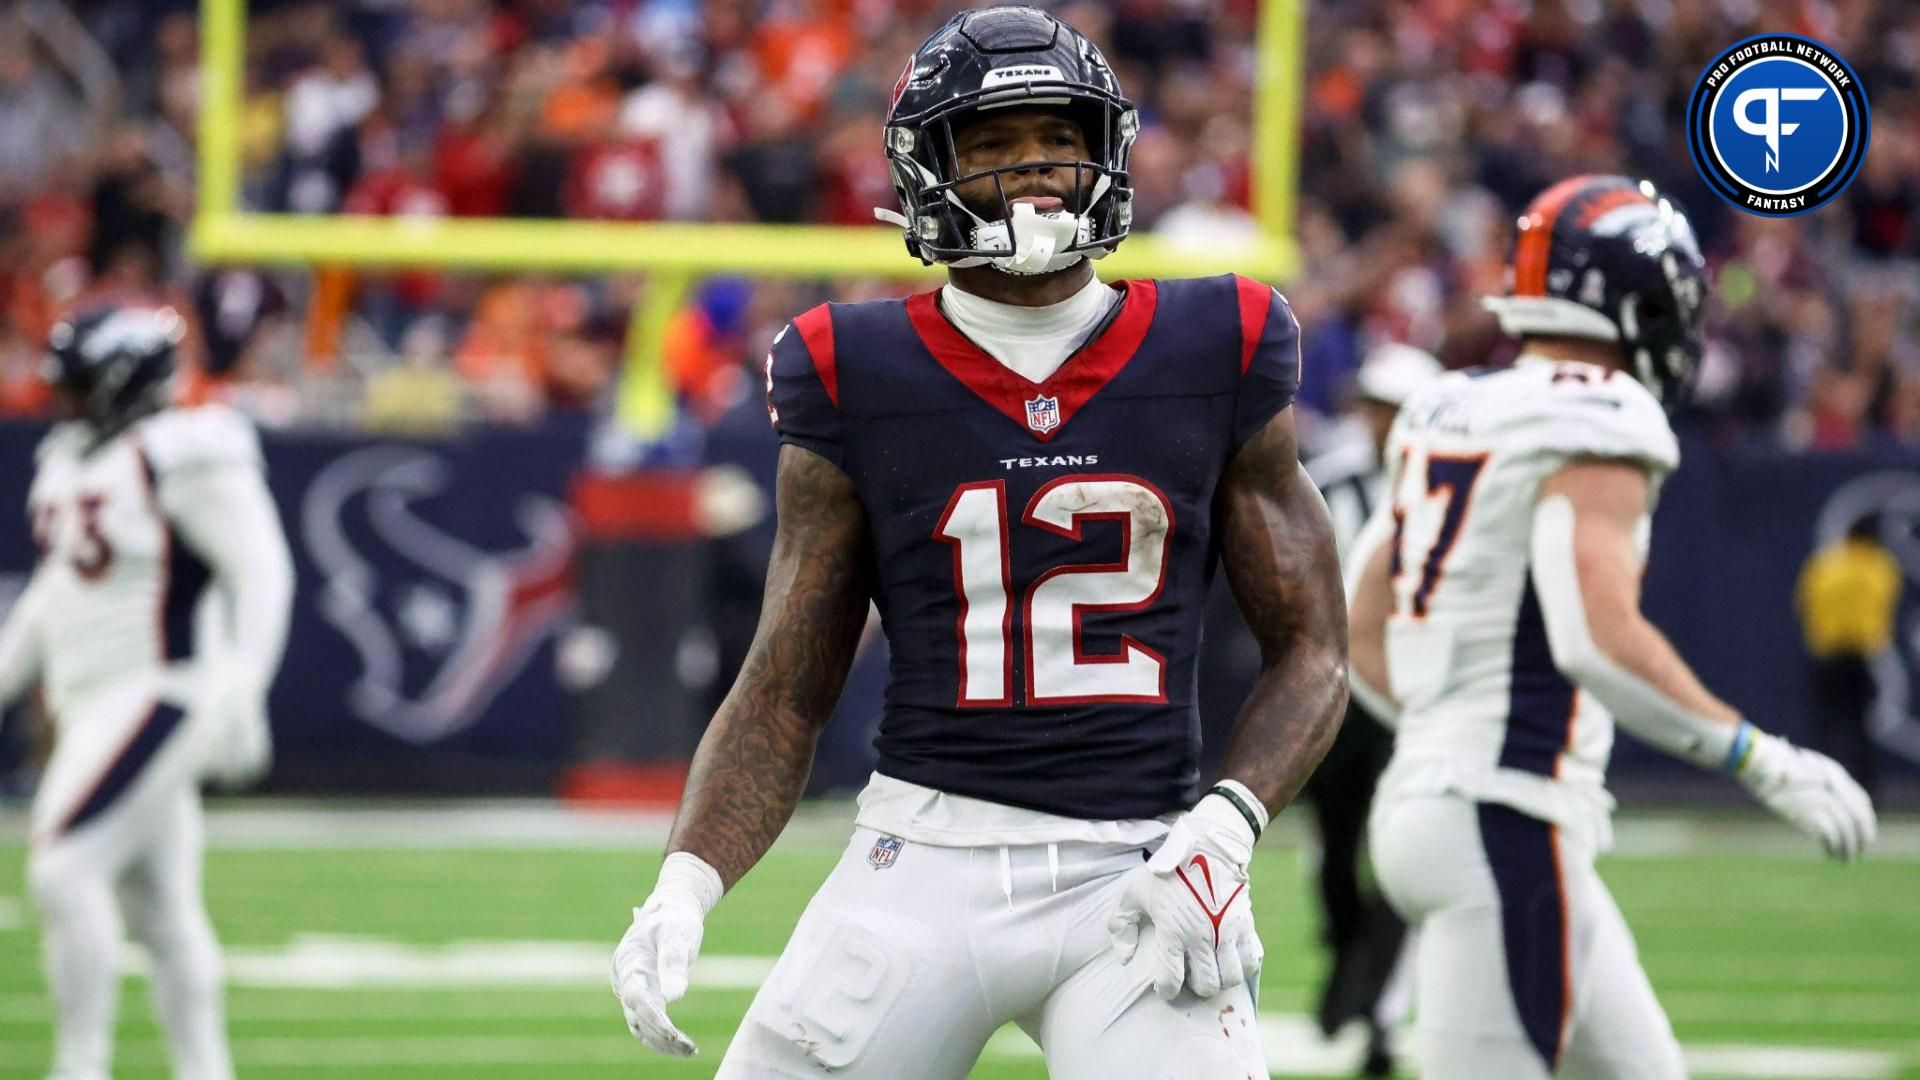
x=1610 y=258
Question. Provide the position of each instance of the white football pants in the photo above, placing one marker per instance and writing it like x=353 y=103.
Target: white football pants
x=1526 y=969
x=117 y=832
x=902 y=970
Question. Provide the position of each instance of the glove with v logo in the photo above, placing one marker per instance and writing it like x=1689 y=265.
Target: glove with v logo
x=1194 y=892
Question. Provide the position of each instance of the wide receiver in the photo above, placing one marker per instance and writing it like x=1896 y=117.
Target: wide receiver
x=1495 y=609
x=1032 y=474
x=153 y=623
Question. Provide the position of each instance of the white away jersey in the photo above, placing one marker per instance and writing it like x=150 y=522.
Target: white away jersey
x=1467 y=648
x=121 y=589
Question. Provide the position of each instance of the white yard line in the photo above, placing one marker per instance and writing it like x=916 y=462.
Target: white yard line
x=326 y=962
x=405 y=974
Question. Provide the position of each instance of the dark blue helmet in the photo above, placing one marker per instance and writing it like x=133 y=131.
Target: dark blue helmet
x=115 y=364
x=993 y=58
x=1610 y=258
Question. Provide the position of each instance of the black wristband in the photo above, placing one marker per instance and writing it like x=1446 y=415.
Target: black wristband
x=1240 y=804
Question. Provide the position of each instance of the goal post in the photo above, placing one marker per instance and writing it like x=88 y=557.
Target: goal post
x=674 y=254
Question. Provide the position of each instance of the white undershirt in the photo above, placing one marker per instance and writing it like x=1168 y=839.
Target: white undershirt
x=1031 y=341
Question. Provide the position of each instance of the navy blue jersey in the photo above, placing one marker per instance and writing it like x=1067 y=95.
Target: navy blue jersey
x=1042 y=552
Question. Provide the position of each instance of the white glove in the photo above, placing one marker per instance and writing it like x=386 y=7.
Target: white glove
x=652 y=964
x=1194 y=892
x=1810 y=790
x=239 y=746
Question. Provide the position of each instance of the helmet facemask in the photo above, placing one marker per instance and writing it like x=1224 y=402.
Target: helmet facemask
x=945 y=225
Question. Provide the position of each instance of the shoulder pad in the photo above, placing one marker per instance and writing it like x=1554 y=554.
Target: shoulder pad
x=1573 y=411
x=199 y=437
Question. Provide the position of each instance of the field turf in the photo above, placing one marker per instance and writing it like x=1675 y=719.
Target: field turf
x=365 y=948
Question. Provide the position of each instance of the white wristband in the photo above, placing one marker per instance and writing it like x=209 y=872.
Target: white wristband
x=689 y=873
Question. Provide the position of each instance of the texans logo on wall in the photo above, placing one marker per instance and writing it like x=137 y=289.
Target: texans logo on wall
x=438 y=621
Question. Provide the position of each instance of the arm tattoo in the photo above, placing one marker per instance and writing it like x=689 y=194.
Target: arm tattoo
x=1277 y=546
x=753 y=761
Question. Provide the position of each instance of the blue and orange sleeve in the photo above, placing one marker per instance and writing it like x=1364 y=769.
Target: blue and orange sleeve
x=803 y=387
x=1269 y=357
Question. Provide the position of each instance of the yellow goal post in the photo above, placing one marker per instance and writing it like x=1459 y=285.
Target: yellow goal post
x=673 y=255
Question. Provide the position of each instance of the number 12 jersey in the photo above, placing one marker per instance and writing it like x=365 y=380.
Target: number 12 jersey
x=1042 y=551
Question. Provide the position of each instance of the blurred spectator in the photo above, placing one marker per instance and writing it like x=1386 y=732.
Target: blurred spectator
x=531 y=344
x=1424 y=128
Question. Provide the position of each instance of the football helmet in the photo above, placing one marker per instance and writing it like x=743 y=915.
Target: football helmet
x=1610 y=258
x=115 y=364
x=995 y=58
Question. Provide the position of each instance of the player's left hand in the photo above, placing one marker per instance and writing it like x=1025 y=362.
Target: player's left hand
x=654 y=961
x=1813 y=792
x=1194 y=891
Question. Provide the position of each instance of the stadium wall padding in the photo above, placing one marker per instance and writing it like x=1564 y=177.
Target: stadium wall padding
x=438 y=588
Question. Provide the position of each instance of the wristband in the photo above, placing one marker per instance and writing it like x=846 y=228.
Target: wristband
x=1740 y=751
x=1241 y=799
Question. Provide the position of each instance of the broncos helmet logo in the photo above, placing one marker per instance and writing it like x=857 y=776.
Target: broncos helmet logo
x=437 y=645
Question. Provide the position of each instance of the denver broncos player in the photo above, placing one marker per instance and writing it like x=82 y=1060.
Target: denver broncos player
x=1033 y=474
x=153 y=623
x=1495 y=609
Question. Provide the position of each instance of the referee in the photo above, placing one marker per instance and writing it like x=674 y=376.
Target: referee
x=1362 y=932
x=1847 y=595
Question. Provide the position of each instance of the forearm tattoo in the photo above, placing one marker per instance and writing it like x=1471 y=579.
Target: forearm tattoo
x=753 y=762
x=1277 y=548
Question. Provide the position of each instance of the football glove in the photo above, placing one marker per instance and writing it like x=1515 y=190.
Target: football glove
x=1194 y=893
x=1810 y=790
x=239 y=738
x=655 y=958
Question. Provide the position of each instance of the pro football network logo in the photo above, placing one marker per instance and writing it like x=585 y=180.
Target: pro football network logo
x=1778 y=124
x=1043 y=414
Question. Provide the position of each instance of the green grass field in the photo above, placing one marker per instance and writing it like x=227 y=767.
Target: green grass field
x=487 y=959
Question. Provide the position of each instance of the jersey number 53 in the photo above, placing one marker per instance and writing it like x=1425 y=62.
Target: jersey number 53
x=1059 y=670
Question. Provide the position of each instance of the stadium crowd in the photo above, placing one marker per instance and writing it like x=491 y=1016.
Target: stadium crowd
x=1427 y=124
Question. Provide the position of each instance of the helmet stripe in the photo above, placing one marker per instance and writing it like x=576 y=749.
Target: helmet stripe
x=1536 y=236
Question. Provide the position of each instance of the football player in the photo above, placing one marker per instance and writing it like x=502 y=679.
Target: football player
x=153 y=623
x=1032 y=474
x=1495 y=610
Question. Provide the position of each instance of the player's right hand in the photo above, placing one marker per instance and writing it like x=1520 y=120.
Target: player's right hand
x=1193 y=892
x=654 y=960
x=1812 y=792
x=240 y=742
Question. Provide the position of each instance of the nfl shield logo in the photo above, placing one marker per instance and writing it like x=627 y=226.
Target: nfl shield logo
x=1043 y=414
x=885 y=850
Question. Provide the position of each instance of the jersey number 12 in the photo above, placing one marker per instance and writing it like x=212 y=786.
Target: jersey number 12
x=1059 y=671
